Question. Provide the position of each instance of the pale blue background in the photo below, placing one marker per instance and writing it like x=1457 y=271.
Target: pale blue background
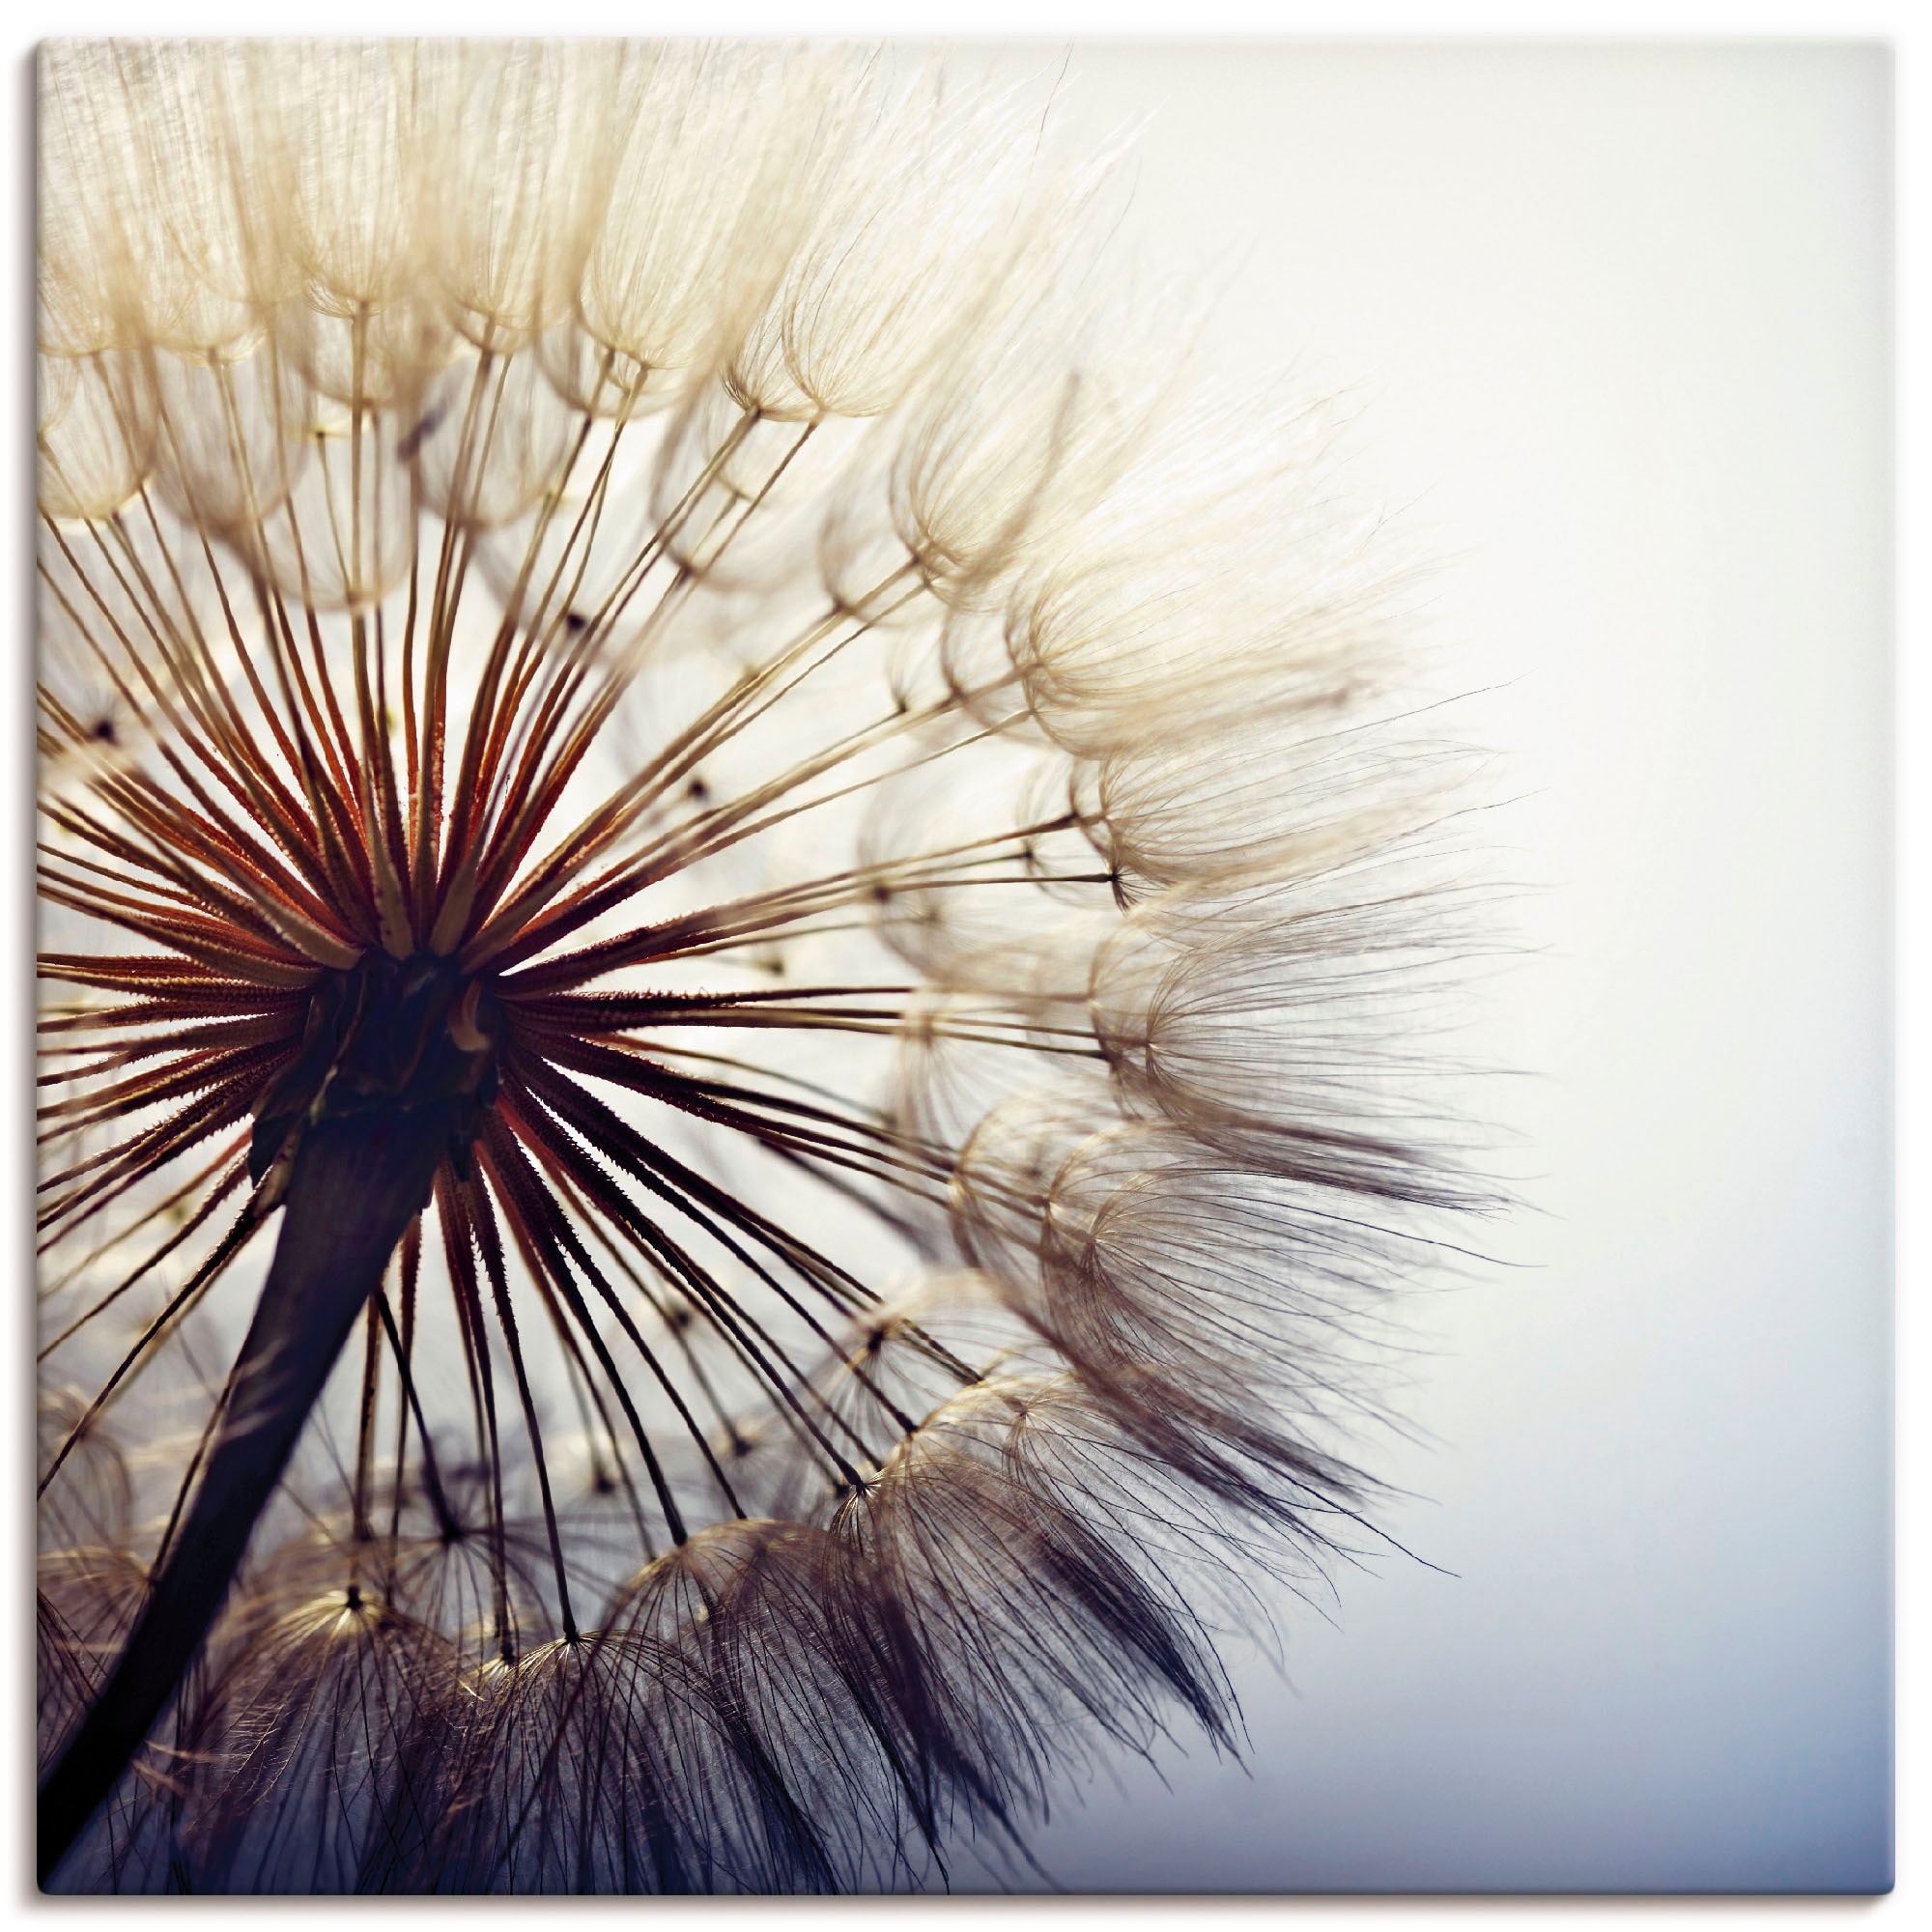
x=1619 y=320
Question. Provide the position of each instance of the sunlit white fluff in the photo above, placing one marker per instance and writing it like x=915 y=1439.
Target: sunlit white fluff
x=689 y=511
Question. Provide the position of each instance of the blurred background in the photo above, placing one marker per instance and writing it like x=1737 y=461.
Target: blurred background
x=1617 y=319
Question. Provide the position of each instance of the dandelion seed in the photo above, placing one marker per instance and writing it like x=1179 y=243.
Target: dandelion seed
x=735 y=1057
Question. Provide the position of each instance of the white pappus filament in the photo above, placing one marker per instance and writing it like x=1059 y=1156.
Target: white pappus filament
x=742 y=972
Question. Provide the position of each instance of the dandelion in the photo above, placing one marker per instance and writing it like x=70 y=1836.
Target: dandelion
x=735 y=1060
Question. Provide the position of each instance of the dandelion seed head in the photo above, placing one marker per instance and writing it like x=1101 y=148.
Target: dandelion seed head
x=741 y=987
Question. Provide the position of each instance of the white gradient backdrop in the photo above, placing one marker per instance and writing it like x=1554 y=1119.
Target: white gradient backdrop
x=1619 y=321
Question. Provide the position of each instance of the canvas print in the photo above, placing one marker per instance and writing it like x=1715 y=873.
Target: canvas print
x=790 y=938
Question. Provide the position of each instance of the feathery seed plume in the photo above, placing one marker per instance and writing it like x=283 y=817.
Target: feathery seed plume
x=737 y=1060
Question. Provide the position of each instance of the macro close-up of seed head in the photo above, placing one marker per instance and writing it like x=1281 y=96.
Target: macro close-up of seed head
x=748 y=922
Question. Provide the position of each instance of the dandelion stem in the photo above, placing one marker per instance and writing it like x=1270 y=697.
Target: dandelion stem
x=356 y=1186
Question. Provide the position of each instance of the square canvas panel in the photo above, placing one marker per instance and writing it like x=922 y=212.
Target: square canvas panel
x=964 y=969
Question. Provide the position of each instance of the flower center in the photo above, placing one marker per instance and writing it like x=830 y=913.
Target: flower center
x=386 y=1036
